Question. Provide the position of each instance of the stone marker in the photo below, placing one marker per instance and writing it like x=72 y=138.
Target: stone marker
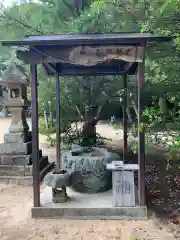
x=123 y=183
x=16 y=151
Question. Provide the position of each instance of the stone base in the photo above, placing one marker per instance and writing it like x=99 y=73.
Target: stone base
x=17 y=137
x=59 y=195
x=21 y=170
x=86 y=206
x=58 y=199
x=22 y=160
x=122 y=213
x=16 y=148
x=25 y=180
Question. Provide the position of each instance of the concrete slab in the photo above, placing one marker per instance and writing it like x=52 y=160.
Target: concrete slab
x=85 y=206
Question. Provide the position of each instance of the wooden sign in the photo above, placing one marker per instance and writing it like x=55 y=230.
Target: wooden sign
x=93 y=55
x=83 y=55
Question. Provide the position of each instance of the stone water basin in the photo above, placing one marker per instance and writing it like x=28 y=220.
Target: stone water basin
x=88 y=169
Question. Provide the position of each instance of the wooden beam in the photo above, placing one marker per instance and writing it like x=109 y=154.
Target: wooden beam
x=127 y=67
x=125 y=121
x=141 y=137
x=69 y=55
x=35 y=137
x=52 y=67
x=37 y=56
x=90 y=72
x=58 y=124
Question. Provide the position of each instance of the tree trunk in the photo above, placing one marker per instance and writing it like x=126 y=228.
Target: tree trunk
x=90 y=121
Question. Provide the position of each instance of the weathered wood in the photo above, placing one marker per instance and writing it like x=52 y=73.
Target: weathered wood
x=128 y=65
x=95 y=71
x=141 y=137
x=35 y=137
x=83 y=55
x=125 y=119
x=58 y=123
x=38 y=56
x=52 y=67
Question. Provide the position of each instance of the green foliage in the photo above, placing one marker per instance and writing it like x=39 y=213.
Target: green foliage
x=173 y=157
x=150 y=114
x=116 y=126
x=75 y=137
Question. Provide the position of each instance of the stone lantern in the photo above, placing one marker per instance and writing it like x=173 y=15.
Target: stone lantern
x=16 y=151
x=17 y=103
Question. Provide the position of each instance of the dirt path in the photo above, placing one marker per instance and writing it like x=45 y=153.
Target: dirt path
x=16 y=222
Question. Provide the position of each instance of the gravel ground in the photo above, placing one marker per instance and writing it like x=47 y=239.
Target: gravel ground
x=16 y=223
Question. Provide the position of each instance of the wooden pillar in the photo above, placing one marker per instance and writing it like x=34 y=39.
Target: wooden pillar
x=141 y=137
x=35 y=136
x=58 y=132
x=125 y=121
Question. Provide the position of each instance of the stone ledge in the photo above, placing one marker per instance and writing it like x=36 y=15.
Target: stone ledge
x=122 y=213
x=17 y=180
x=15 y=137
x=25 y=180
x=17 y=160
x=15 y=148
x=11 y=170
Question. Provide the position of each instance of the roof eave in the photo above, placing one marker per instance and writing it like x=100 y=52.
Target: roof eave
x=134 y=41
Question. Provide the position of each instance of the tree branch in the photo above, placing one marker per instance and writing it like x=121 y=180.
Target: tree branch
x=22 y=23
x=71 y=8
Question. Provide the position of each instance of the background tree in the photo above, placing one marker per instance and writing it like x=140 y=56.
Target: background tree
x=52 y=16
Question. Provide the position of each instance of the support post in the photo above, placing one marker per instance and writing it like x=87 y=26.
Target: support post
x=141 y=137
x=125 y=121
x=58 y=132
x=35 y=136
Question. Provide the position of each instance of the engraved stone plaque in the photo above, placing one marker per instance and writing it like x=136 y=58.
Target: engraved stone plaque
x=123 y=188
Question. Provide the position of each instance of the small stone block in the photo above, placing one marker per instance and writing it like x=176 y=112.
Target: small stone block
x=15 y=148
x=10 y=170
x=15 y=137
x=16 y=160
x=59 y=199
x=59 y=196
